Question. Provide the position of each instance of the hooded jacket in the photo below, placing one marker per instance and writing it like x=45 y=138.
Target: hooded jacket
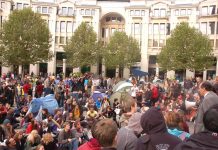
x=156 y=136
x=92 y=144
x=200 y=141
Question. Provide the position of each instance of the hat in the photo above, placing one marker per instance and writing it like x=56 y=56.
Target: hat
x=6 y=121
x=134 y=122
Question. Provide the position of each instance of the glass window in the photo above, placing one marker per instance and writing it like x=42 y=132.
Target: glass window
x=204 y=10
x=168 y=29
x=69 y=26
x=38 y=9
x=50 y=10
x=137 y=28
x=57 y=26
x=93 y=12
x=102 y=32
x=177 y=12
x=119 y=19
x=162 y=42
x=211 y=28
x=25 y=5
x=216 y=43
x=212 y=9
x=142 y=12
x=156 y=12
x=56 y=40
x=189 y=11
x=150 y=29
x=155 y=43
x=150 y=42
x=155 y=28
x=19 y=6
x=113 y=30
x=183 y=12
x=64 y=11
x=70 y=11
x=137 y=13
x=108 y=19
x=212 y=42
x=62 y=40
x=63 y=26
x=162 y=28
x=2 y=5
x=204 y=27
x=163 y=12
x=131 y=12
x=113 y=19
x=87 y=12
x=106 y=32
x=82 y=12
x=44 y=10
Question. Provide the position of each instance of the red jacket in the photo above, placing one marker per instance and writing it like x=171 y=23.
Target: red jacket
x=154 y=92
x=90 y=145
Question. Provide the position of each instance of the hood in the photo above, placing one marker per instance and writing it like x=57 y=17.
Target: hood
x=94 y=144
x=152 y=121
x=134 y=122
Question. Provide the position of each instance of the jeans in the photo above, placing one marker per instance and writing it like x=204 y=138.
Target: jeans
x=73 y=145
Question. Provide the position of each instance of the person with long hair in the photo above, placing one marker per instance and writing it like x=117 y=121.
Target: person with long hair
x=20 y=140
x=48 y=142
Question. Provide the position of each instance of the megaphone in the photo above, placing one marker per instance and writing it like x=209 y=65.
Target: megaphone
x=189 y=104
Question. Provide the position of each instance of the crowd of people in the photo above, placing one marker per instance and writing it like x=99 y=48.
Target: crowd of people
x=149 y=115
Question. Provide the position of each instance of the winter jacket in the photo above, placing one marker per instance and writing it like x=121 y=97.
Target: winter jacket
x=156 y=136
x=92 y=144
x=200 y=141
x=178 y=133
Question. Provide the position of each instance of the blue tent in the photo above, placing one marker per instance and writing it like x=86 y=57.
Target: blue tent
x=136 y=72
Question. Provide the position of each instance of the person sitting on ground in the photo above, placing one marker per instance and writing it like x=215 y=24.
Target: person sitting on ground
x=127 y=136
x=92 y=114
x=6 y=130
x=20 y=140
x=48 y=142
x=174 y=124
x=205 y=140
x=33 y=140
x=155 y=132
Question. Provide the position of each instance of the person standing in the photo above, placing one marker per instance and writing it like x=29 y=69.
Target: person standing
x=210 y=99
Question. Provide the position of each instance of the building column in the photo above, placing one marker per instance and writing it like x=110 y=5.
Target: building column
x=64 y=67
x=144 y=62
x=157 y=70
x=34 y=68
x=103 y=70
x=204 y=75
x=171 y=74
x=20 y=69
x=126 y=72
x=94 y=68
x=189 y=74
x=117 y=72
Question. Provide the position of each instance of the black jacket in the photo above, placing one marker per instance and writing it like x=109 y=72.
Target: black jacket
x=156 y=135
x=200 y=141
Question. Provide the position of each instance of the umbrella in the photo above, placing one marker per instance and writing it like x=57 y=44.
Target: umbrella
x=122 y=86
x=98 y=94
x=139 y=73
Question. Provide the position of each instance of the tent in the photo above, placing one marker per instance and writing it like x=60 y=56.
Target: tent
x=97 y=94
x=122 y=86
x=139 y=73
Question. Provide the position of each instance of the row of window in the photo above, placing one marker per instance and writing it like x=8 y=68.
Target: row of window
x=61 y=40
x=159 y=12
x=183 y=12
x=44 y=10
x=106 y=32
x=208 y=10
x=64 y=26
x=113 y=19
x=137 y=12
x=159 y=28
x=66 y=11
x=156 y=42
x=2 y=5
x=208 y=27
x=87 y=12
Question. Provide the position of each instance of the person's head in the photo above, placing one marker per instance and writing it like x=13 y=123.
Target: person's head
x=210 y=119
x=40 y=147
x=66 y=126
x=10 y=143
x=128 y=103
x=91 y=108
x=172 y=120
x=205 y=87
x=47 y=138
x=105 y=131
x=7 y=123
x=18 y=136
x=77 y=124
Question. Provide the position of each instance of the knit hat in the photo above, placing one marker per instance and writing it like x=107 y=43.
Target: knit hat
x=6 y=121
x=134 y=122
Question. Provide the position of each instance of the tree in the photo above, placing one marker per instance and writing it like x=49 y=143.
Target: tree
x=121 y=51
x=83 y=48
x=24 y=39
x=187 y=48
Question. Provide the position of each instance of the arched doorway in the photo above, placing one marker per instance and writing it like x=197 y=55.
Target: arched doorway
x=110 y=23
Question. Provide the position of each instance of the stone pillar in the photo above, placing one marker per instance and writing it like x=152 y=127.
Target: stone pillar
x=94 y=68
x=144 y=62
x=189 y=74
x=103 y=70
x=126 y=72
x=20 y=69
x=34 y=68
x=157 y=70
x=204 y=75
x=171 y=74
x=117 y=72
x=64 y=67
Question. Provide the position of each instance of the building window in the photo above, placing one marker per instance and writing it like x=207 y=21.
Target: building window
x=113 y=30
x=119 y=19
x=155 y=42
x=168 y=29
x=131 y=12
x=162 y=42
x=155 y=28
x=19 y=6
x=113 y=19
x=64 y=11
x=189 y=11
x=150 y=42
x=69 y=26
x=44 y=10
x=183 y=12
x=136 y=28
x=212 y=43
x=87 y=12
x=176 y=12
x=57 y=29
x=163 y=12
x=56 y=39
x=93 y=12
x=25 y=5
x=137 y=13
x=38 y=9
x=1 y=21
x=3 y=5
x=211 y=27
x=156 y=12
x=102 y=32
x=82 y=12
x=212 y=9
x=108 y=19
x=204 y=27
x=70 y=11
x=142 y=12
x=63 y=26
x=162 y=28
x=62 y=40
x=204 y=10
